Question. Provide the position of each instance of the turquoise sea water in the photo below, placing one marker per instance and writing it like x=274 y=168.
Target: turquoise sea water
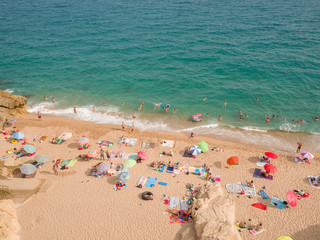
x=175 y=52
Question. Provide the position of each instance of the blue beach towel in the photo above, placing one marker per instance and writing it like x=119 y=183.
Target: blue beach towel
x=151 y=182
x=169 y=169
x=263 y=194
x=162 y=169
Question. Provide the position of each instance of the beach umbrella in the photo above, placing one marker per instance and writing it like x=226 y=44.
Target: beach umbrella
x=124 y=176
x=284 y=238
x=12 y=121
x=83 y=140
x=28 y=169
x=29 y=148
x=233 y=160
x=203 y=146
x=129 y=163
x=195 y=150
x=292 y=198
x=42 y=158
x=65 y=136
x=142 y=155
x=103 y=167
x=271 y=155
x=92 y=154
x=270 y=168
x=307 y=155
x=18 y=135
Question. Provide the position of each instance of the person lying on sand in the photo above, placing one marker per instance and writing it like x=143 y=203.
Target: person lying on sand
x=170 y=164
x=251 y=184
x=264 y=159
x=243 y=224
x=264 y=173
x=314 y=182
x=258 y=228
x=160 y=165
x=153 y=164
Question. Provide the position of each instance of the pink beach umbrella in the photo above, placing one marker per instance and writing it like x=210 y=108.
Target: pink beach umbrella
x=142 y=155
x=292 y=198
x=83 y=140
x=307 y=155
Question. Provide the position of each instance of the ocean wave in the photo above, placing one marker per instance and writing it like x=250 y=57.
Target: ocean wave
x=9 y=90
x=248 y=128
x=109 y=115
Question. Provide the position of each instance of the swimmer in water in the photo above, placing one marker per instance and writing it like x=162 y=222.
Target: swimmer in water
x=122 y=104
x=219 y=118
x=224 y=104
x=316 y=118
x=204 y=99
x=134 y=115
x=267 y=120
x=277 y=116
x=174 y=110
x=53 y=100
x=207 y=115
x=154 y=107
x=240 y=112
x=75 y=110
x=257 y=99
x=94 y=108
x=105 y=104
x=284 y=119
x=240 y=119
x=247 y=116
x=45 y=98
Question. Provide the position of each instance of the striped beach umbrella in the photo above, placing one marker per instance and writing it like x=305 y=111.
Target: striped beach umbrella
x=28 y=169
x=129 y=163
x=29 y=148
x=83 y=140
x=195 y=150
x=307 y=155
x=92 y=154
x=42 y=158
x=124 y=176
x=18 y=135
x=103 y=167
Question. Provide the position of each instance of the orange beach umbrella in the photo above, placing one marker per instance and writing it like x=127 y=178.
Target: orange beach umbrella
x=233 y=160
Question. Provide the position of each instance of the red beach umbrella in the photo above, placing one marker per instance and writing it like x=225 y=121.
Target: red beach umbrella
x=271 y=155
x=142 y=155
x=270 y=168
x=233 y=160
x=292 y=198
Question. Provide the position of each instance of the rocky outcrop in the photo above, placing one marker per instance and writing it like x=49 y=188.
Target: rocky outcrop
x=11 y=105
x=213 y=213
x=9 y=225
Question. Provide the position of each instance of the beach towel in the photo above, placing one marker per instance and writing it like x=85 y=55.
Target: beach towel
x=263 y=194
x=257 y=174
x=261 y=164
x=239 y=186
x=184 y=167
x=169 y=169
x=239 y=229
x=191 y=169
x=142 y=181
x=316 y=179
x=185 y=154
x=259 y=205
x=174 y=202
x=163 y=183
x=114 y=153
x=183 y=205
x=257 y=232
x=66 y=162
x=132 y=142
x=162 y=169
x=37 y=138
x=106 y=143
x=299 y=160
x=176 y=171
x=217 y=178
x=43 y=138
x=151 y=182
x=167 y=143
x=202 y=172
x=177 y=219
x=277 y=202
x=148 y=145
x=122 y=140
x=115 y=187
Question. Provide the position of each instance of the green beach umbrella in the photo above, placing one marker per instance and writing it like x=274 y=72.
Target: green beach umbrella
x=42 y=158
x=129 y=163
x=203 y=146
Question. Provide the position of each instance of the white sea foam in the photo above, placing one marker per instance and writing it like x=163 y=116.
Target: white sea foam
x=9 y=90
x=254 y=129
x=109 y=115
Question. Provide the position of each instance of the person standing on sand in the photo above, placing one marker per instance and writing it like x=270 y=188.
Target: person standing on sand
x=123 y=126
x=101 y=154
x=299 y=147
x=39 y=115
x=75 y=110
x=55 y=169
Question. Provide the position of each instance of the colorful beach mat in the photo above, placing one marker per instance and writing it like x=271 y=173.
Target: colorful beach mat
x=177 y=219
x=151 y=182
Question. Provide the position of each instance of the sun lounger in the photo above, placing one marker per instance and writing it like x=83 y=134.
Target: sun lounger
x=174 y=202
x=167 y=143
x=151 y=182
x=257 y=232
x=238 y=187
x=316 y=179
x=257 y=174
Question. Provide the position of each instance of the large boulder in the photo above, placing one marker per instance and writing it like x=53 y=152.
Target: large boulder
x=9 y=225
x=213 y=213
x=11 y=105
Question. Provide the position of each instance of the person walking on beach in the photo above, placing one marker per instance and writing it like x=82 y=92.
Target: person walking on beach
x=55 y=169
x=123 y=126
x=39 y=115
x=101 y=154
x=75 y=110
x=299 y=147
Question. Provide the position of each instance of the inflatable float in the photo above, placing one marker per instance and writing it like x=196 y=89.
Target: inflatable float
x=166 y=106
x=196 y=117
x=147 y=195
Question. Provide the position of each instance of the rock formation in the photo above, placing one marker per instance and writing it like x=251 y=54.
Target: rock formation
x=10 y=106
x=213 y=213
x=9 y=225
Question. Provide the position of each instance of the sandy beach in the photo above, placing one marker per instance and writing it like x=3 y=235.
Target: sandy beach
x=78 y=206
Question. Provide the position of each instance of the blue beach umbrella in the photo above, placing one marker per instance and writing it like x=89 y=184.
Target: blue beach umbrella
x=124 y=176
x=29 y=148
x=195 y=150
x=18 y=135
